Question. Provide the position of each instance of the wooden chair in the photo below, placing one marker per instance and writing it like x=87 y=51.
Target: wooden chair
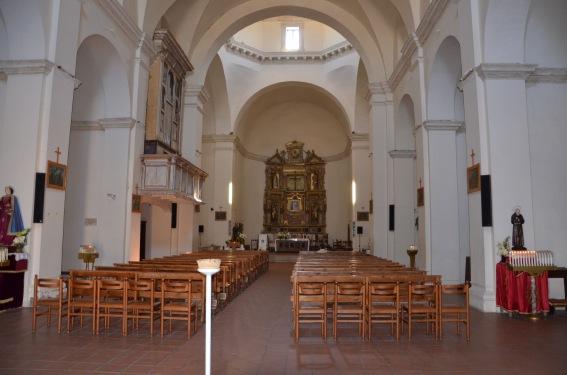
x=310 y=302
x=81 y=301
x=350 y=303
x=383 y=306
x=142 y=303
x=111 y=302
x=49 y=299
x=456 y=311
x=422 y=307
x=177 y=304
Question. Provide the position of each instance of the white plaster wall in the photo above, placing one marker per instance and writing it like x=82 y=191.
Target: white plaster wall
x=548 y=135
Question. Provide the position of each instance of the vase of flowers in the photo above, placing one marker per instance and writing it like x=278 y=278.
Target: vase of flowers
x=241 y=237
x=21 y=239
x=283 y=235
x=503 y=248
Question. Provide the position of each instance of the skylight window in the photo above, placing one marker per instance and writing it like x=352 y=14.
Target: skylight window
x=292 y=38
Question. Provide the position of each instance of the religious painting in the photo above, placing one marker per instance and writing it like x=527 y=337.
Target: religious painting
x=420 y=197
x=220 y=215
x=473 y=178
x=56 y=175
x=362 y=216
x=136 y=203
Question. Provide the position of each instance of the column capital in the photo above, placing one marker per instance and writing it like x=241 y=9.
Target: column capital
x=378 y=93
x=197 y=91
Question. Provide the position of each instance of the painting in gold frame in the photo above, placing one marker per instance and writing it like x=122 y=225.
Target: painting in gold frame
x=473 y=178
x=56 y=175
x=136 y=203
x=420 y=197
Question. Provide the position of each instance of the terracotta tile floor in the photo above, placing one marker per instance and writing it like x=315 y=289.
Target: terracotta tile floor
x=253 y=335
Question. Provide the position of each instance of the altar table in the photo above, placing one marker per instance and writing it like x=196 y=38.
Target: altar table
x=292 y=245
x=513 y=289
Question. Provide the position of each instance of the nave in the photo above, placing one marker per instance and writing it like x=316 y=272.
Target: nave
x=253 y=335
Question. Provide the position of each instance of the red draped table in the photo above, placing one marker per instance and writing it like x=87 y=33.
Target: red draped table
x=12 y=281
x=513 y=290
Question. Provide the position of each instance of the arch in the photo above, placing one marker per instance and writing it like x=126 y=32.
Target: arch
x=303 y=91
x=217 y=120
x=104 y=92
x=445 y=73
x=202 y=52
x=505 y=30
x=24 y=30
x=404 y=139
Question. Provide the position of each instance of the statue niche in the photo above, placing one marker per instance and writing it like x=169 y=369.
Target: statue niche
x=294 y=195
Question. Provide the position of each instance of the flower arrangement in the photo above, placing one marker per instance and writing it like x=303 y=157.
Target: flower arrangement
x=21 y=238
x=503 y=247
x=283 y=235
x=241 y=237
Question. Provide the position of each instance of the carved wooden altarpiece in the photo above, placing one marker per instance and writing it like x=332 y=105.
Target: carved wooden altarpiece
x=295 y=198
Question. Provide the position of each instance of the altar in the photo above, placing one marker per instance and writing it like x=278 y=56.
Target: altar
x=292 y=245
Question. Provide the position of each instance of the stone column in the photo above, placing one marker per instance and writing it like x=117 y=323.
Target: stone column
x=191 y=146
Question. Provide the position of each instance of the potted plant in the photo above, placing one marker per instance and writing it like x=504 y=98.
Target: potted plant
x=503 y=248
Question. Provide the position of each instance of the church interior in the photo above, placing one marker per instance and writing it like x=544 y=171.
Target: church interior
x=150 y=129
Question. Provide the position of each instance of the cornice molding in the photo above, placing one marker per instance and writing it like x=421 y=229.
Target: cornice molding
x=117 y=123
x=224 y=138
x=86 y=126
x=415 y=40
x=170 y=50
x=331 y=53
x=432 y=15
x=402 y=154
x=39 y=66
x=505 y=71
x=548 y=75
x=120 y=18
x=444 y=125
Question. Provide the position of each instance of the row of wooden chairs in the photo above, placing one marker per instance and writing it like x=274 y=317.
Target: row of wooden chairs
x=74 y=297
x=100 y=297
x=378 y=300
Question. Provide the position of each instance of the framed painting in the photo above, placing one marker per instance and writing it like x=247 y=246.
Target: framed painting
x=362 y=216
x=420 y=197
x=473 y=178
x=220 y=215
x=136 y=203
x=56 y=175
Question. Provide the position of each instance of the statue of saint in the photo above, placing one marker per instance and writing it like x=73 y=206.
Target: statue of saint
x=10 y=217
x=517 y=230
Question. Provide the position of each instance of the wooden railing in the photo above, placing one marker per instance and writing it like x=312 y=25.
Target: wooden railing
x=172 y=178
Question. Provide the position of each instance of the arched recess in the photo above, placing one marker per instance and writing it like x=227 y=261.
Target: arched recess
x=443 y=95
x=546 y=97
x=280 y=114
x=217 y=108
x=445 y=167
x=99 y=143
x=405 y=185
